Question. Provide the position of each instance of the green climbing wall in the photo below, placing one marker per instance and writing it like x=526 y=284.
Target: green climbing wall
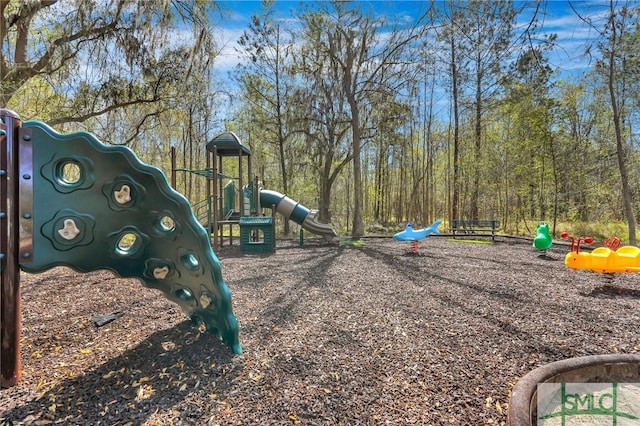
x=98 y=207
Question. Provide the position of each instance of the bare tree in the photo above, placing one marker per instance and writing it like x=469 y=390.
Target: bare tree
x=320 y=112
x=483 y=34
x=367 y=63
x=265 y=78
x=612 y=67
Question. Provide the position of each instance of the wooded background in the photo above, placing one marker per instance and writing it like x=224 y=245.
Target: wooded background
x=455 y=113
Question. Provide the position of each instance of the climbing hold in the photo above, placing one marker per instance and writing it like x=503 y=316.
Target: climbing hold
x=205 y=300
x=160 y=273
x=124 y=195
x=69 y=231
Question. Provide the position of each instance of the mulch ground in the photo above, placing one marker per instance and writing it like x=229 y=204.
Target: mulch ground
x=371 y=335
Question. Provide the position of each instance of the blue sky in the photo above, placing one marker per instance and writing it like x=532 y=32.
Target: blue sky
x=558 y=17
x=574 y=35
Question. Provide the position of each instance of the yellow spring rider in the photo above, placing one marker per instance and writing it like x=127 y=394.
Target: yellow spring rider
x=608 y=259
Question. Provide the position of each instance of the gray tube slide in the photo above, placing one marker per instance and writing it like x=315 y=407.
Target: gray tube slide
x=292 y=210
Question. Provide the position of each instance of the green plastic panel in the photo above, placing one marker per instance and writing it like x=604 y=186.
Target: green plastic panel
x=229 y=199
x=98 y=207
x=261 y=225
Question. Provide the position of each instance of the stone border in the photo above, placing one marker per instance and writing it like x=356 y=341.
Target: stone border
x=521 y=403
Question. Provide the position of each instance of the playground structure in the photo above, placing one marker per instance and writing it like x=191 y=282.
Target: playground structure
x=611 y=258
x=69 y=200
x=415 y=235
x=229 y=205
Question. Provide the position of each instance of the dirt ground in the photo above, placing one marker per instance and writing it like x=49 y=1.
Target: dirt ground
x=371 y=335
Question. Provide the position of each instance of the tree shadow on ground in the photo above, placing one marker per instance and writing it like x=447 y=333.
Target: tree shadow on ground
x=504 y=294
x=161 y=371
x=613 y=292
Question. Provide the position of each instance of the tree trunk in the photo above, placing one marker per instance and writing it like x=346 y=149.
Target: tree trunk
x=475 y=190
x=456 y=143
x=620 y=145
x=358 y=224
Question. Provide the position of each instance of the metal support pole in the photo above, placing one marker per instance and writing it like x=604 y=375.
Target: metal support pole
x=210 y=202
x=257 y=211
x=241 y=183
x=9 y=249
x=216 y=190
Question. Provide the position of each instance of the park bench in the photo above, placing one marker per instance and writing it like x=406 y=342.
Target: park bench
x=474 y=227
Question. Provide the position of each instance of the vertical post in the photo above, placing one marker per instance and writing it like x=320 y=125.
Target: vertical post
x=256 y=197
x=241 y=182
x=216 y=204
x=173 y=167
x=210 y=203
x=9 y=251
x=250 y=181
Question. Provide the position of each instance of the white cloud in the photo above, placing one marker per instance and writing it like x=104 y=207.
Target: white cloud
x=229 y=55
